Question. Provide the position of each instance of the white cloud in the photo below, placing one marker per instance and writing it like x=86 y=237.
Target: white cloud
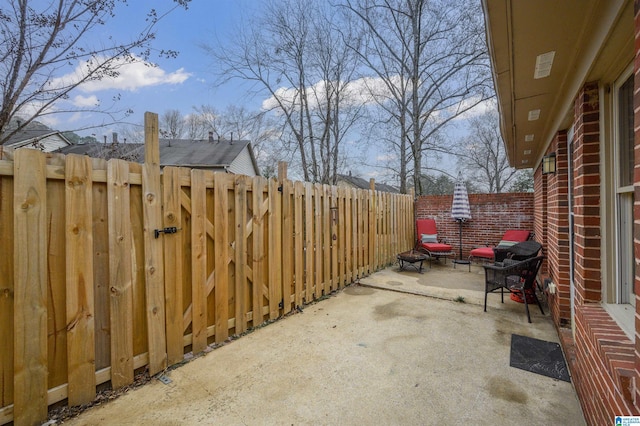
x=386 y=157
x=477 y=110
x=131 y=77
x=76 y=117
x=85 y=101
x=367 y=91
x=358 y=92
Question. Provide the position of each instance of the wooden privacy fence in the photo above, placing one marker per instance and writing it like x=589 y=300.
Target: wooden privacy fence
x=107 y=267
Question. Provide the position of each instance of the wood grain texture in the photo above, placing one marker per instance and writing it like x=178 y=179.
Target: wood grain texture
x=198 y=261
x=79 y=282
x=153 y=251
x=6 y=290
x=221 y=217
x=172 y=217
x=30 y=269
x=120 y=273
x=240 y=261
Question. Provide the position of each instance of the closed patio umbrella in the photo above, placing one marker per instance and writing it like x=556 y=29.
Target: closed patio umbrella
x=460 y=210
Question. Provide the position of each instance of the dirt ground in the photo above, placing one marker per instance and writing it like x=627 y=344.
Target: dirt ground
x=366 y=355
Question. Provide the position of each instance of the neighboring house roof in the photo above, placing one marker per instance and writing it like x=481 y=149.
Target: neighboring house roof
x=358 y=182
x=36 y=135
x=230 y=156
x=542 y=52
x=203 y=154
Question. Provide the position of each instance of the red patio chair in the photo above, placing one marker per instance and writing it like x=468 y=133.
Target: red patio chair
x=428 y=241
x=492 y=254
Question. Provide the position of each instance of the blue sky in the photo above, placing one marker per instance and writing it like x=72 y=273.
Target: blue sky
x=180 y=83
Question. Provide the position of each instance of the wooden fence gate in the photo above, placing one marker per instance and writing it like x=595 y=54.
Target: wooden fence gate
x=109 y=267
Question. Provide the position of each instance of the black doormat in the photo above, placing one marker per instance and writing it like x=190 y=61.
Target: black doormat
x=538 y=356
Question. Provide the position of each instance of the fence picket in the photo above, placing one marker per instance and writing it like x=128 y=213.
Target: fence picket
x=57 y=283
x=275 y=249
x=348 y=237
x=246 y=248
x=79 y=281
x=288 y=255
x=299 y=253
x=333 y=217
x=259 y=261
x=198 y=261
x=30 y=298
x=241 y=254
x=221 y=217
x=6 y=288
x=154 y=265
x=317 y=226
x=172 y=215
x=341 y=238
x=120 y=274
x=309 y=242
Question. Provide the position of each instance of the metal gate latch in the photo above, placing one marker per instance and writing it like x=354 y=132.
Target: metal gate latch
x=169 y=230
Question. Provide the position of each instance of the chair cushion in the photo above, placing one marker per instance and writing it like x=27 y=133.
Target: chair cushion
x=484 y=252
x=429 y=238
x=437 y=247
x=426 y=226
x=516 y=235
x=506 y=243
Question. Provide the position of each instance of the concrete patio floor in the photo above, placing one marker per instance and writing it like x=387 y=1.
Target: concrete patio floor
x=366 y=355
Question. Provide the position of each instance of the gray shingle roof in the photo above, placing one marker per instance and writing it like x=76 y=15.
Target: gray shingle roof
x=361 y=183
x=33 y=130
x=186 y=152
x=176 y=152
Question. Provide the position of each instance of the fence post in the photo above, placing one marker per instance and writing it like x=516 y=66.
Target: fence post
x=154 y=265
x=30 y=288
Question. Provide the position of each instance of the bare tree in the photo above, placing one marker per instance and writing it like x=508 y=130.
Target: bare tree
x=172 y=124
x=41 y=38
x=431 y=58
x=482 y=154
x=293 y=54
x=239 y=123
x=195 y=128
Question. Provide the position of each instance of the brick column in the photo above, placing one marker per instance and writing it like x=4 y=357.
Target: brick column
x=540 y=213
x=587 y=196
x=558 y=231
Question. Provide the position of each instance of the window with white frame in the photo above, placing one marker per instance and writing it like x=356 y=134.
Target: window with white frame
x=617 y=204
x=623 y=171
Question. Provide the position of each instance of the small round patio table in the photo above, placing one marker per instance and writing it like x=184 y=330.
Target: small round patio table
x=410 y=258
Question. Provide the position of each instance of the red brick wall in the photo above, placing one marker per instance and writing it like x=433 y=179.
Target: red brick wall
x=491 y=216
x=636 y=186
x=604 y=368
x=558 y=231
x=587 y=195
x=540 y=213
x=601 y=357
